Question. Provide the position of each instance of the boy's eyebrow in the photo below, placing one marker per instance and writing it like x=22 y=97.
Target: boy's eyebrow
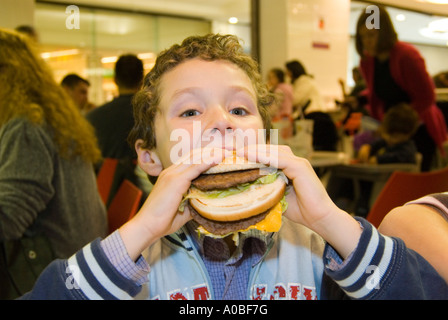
x=189 y=90
x=244 y=89
x=197 y=90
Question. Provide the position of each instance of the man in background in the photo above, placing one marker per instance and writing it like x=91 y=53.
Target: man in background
x=114 y=120
x=78 y=89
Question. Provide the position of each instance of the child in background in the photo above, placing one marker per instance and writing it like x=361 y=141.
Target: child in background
x=395 y=145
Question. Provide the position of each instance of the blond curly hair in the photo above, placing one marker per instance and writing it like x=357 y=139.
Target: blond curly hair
x=28 y=90
x=209 y=48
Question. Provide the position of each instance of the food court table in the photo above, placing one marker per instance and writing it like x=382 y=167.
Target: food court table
x=319 y=159
x=378 y=174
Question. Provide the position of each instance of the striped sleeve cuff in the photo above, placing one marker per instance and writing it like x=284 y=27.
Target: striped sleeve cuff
x=363 y=274
x=97 y=277
x=116 y=252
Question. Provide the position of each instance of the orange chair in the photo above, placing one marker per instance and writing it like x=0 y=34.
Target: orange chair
x=402 y=187
x=105 y=178
x=124 y=205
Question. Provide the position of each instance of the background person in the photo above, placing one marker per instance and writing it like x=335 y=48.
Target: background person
x=423 y=226
x=281 y=109
x=395 y=72
x=284 y=92
x=47 y=151
x=307 y=97
x=78 y=89
x=114 y=120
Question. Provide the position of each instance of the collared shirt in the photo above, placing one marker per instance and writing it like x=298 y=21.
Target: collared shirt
x=229 y=272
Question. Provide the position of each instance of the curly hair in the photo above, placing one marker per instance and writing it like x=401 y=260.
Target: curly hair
x=28 y=90
x=209 y=48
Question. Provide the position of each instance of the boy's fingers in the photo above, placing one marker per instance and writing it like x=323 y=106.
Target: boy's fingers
x=200 y=160
x=268 y=154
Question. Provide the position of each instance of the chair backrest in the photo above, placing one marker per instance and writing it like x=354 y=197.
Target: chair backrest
x=105 y=177
x=124 y=205
x=402 y=187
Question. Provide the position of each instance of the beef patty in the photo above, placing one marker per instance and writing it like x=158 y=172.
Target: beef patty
x=221 y=228
x=206 y=182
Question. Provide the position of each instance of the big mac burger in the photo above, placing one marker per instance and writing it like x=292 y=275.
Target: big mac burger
x=237 y=195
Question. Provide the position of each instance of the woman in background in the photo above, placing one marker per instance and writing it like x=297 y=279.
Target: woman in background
x=307 y=97
x=284 y=93
x=395 y=73
x=47 y=151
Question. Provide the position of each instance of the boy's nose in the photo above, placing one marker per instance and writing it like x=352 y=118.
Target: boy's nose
x=220 y=121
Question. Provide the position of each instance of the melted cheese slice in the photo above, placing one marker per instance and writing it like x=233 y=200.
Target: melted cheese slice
x=272 y=222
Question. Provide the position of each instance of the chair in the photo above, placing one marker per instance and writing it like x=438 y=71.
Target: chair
x=105 y=178
x=402 y=187
x=124 y=205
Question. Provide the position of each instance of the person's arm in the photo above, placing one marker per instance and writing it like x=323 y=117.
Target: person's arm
x=114 y=268
x=423 y=228
x=100 y=270
x=308 y=201
x=365 y=263
x=160 y=215
x=411 y=67
x=26 y=173
x=383 y=268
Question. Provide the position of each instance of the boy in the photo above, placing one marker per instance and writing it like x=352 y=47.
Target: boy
x=209 y=80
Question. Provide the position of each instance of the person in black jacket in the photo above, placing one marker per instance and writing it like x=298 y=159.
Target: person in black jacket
x=114 y=120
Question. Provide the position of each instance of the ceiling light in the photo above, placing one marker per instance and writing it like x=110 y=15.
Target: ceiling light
x=439 y=26
x=147 y=55
x=62 y=53
x=400 y=17
x=437 y=1
x=109 y=59
x=233 y=20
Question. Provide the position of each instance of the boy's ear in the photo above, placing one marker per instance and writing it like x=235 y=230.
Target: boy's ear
x=148 y=160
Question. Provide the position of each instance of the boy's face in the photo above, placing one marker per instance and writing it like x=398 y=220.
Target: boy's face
x=203 y=103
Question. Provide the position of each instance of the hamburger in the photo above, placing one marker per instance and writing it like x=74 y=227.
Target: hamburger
x=237 y=195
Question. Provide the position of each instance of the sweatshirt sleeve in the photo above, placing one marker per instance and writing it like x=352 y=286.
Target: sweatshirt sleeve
x=89 y=274
x=26 y=175
x=383 y=268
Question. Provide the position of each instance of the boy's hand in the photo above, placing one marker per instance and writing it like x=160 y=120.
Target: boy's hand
x=159 y=215
x=308 y=201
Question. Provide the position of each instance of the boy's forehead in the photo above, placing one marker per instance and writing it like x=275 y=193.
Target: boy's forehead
x=199 y=72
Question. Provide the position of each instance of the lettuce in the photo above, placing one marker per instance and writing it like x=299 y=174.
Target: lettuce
x=215 y=194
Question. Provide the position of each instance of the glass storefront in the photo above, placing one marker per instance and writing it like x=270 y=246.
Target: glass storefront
x=93 y=43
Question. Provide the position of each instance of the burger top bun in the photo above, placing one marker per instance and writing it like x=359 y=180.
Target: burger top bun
x=234 y=163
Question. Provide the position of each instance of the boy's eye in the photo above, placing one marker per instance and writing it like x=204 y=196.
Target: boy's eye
x=238 y=111
x=190 y=113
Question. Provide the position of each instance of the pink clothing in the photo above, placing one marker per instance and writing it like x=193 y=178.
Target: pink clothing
x=408 y=69
x=285 y=91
